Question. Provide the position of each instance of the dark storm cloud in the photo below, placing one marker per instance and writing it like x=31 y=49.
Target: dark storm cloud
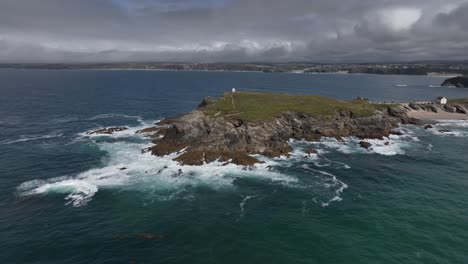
x=232 y=30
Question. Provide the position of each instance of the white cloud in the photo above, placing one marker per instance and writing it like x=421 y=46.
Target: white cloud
x=401 y=18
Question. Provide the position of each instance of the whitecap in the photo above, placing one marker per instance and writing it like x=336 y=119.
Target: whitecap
x=345 y=166
x=65 y=119
x=130 y=132
x=106 y=116
x=243 y=203
x=451 y=123
x=388 y=146
x=335 y=183
x=24 y=138
x=455 y=133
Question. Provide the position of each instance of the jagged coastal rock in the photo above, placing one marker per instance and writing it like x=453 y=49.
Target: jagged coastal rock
x=460 y=81
x=238 y=125
x=107 y=131
x=365 y=144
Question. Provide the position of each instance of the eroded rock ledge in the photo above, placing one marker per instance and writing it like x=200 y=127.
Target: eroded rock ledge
x=206 y=134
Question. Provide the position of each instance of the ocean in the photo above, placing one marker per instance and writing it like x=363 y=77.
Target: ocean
x=64 y=197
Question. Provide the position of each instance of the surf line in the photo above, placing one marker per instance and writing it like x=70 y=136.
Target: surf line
x=346 y=166
x=243 y=203
x=338 y=191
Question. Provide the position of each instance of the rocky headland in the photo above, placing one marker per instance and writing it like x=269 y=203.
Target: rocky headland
x=235 y=127
x=238 y=125
x=460 y=82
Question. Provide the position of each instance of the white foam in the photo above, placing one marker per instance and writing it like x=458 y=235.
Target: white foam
x=335 y=183
x=451 y=123
x=242 y=204
x=346 y=166
x=388 y=146
x=24 y=138
x=65 y=119
x=146 y=172
x=130 y=132
x=80 y=188
x=455 y=133
x=126 y=168
x=106 y=116
x=457 y=128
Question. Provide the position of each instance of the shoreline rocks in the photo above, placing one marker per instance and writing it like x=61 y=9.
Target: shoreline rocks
x=201 y=137
x=366 y=145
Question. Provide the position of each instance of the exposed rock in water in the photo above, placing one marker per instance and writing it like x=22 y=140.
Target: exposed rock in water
x=106 y=131
x=311 y=151
x=147 y=130
x=365 y=144
x=460 y=82
x=445 y=131
x=200 y=158
x=153 y=132
x=396 y=133
x=428 y=126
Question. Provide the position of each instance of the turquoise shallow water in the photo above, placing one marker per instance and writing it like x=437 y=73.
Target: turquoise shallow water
x=63 y=198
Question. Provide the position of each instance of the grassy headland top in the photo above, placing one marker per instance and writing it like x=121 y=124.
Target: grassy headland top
x=252 y=106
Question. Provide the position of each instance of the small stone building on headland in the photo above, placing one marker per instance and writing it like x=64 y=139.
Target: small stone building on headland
x=441 y=100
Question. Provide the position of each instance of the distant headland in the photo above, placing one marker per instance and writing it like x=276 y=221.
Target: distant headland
x=460 y=82
x=435 y=68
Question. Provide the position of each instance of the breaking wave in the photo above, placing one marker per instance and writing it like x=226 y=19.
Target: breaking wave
x=126 y=168
x=388 y=146
x=106 y=116
x=457 y=128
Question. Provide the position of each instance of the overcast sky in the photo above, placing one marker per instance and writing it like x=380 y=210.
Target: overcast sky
x=232 y=30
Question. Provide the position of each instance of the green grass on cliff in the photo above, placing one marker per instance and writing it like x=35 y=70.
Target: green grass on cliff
x=253 y=106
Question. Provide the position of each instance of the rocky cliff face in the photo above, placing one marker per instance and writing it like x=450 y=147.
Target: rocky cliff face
x=203 y=137
x=461 y=82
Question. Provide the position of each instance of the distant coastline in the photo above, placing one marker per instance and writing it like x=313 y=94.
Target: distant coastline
x=437 y=69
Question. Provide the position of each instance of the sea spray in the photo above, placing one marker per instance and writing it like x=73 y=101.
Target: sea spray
x=127 y=168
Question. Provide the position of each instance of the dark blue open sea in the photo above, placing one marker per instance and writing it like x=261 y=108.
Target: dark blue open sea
x=63 y=198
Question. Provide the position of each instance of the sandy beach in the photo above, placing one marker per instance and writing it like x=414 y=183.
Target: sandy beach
x=424 y=115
